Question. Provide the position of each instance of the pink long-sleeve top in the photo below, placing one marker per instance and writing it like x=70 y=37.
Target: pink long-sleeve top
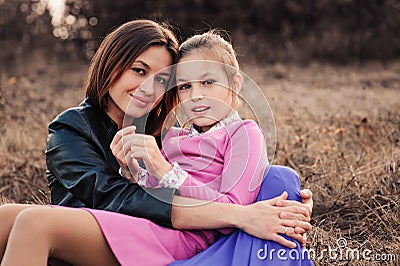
x=224 y=164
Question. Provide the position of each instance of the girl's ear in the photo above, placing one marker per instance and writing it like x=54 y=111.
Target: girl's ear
x=237 y=82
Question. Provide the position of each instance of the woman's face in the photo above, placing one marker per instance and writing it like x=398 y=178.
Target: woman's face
x=203 y=91
x=128 y=96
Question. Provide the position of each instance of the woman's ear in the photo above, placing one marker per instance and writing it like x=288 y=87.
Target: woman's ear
x=237 y=82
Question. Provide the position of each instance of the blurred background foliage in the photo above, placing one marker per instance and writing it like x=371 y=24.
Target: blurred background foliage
x=337 y=31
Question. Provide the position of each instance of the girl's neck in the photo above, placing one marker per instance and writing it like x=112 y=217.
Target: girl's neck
x=202 y=129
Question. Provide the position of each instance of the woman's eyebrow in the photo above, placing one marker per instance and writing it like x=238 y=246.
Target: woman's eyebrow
x=142 y=63
x=165 y=74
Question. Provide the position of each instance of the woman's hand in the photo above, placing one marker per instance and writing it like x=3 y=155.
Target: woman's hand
x=129 y=166
x=306 y=197
x=269 y=218
x=144 y=147
x=307 y=203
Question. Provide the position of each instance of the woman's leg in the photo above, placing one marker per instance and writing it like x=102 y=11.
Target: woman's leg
x=68 y=234
x=8 y=212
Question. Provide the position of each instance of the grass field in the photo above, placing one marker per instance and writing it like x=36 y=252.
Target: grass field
x=337 y=126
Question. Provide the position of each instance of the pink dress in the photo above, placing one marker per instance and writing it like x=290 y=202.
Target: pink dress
x=224 y=164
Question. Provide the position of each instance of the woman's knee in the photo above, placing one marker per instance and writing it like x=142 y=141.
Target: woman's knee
x=32 y=220
x=9 y=211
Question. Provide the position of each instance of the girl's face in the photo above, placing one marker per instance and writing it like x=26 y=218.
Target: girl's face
x=127 y=96
x=203 y=90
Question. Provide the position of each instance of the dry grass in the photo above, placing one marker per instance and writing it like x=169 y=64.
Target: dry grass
x=338 y=127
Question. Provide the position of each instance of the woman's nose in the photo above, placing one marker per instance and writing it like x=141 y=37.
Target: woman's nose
x=147 y=87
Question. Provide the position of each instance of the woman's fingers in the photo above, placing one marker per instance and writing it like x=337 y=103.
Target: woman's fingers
x=306 y=196
x=296 y=223
x=300 y=230
x=296 y=207
x=290 y=232
x=294 y=215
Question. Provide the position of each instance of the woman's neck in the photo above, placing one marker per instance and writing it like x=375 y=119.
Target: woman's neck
x=115 y=113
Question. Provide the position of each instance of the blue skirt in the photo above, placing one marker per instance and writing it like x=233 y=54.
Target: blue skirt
x=241 y=249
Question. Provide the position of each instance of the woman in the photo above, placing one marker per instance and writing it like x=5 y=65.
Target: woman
x=83 y=172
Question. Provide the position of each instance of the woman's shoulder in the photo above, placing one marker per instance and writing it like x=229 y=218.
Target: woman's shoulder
x=83 y=118
x=82 y=110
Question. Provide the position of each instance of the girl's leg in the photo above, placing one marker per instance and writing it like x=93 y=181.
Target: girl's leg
x=68 y=234
x=239 y=248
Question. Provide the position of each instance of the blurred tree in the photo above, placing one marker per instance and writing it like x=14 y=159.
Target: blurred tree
x=299 y=30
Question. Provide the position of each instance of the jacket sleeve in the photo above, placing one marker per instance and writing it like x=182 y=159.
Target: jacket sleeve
x=81 y=164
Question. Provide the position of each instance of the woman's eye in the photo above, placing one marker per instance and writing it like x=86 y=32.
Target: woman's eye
x=208 y=82
x=140 y=71
x=160 y=80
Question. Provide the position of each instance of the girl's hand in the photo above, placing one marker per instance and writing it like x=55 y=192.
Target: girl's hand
x=144 y=147
x=269 y=218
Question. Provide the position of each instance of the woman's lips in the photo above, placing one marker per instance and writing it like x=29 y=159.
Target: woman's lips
x=142 y=102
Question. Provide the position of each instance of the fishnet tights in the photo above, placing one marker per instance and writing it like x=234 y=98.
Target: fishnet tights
x=31 y=234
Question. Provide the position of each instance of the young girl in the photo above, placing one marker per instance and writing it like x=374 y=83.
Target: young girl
x=29 y=234
x=204 y=158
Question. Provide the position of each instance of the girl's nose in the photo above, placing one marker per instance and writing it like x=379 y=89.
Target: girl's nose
x=197 y=92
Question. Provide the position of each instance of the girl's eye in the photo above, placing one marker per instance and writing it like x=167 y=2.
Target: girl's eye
x=208 y=82
x=184 y=87
x=139 y=70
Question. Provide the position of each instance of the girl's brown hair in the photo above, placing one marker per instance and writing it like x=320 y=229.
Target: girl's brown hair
x=212 y=44
x=115 y=55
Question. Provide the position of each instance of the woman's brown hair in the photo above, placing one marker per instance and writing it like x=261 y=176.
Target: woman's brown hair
x=115 y=55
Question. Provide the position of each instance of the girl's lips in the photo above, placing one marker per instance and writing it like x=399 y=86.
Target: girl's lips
x=200 y=110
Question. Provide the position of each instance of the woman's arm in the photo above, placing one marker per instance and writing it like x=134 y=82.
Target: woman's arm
x=261 y=219
x=83 y=172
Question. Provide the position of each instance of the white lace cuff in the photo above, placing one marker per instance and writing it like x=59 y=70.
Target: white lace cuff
x=175 y=177
x=143 y=176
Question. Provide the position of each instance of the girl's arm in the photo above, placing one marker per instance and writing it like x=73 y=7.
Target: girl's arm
x=245 y=161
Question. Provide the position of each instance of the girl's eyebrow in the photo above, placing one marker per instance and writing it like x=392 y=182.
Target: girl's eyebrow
x=182 y=80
